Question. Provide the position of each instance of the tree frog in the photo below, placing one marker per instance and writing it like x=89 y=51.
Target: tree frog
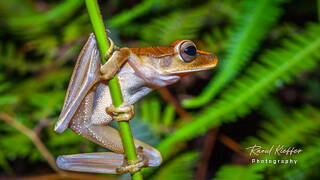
x=88 y=106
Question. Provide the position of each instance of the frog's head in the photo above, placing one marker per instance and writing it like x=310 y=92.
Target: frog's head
x=186 y=58
x=164 y=65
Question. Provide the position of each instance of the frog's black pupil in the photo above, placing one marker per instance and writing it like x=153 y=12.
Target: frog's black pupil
x=191 y=50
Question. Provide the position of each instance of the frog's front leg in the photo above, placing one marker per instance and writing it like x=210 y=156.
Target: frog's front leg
x=113 y=65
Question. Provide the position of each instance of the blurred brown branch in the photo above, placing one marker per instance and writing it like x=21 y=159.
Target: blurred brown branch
x=208 y=146
x=167 y=96
x=233 y=145
x=71 y=176
x=227 y=141
x=33 y=137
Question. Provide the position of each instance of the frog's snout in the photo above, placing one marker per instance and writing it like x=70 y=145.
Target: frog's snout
x=210 y=60
x=214 y=59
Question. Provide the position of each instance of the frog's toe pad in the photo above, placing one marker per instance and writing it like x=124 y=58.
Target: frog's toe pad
x=133 y=167
x=124 y=112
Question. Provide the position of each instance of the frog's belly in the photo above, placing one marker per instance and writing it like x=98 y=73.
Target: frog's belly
x=92 y=109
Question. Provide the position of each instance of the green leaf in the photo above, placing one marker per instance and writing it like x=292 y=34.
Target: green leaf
x=8 y=99
x=298 y=128
x=308 y=161
x=179 y=168
x=288 y=130
x=34 y=23
x=279 y=65
x=177 y=25
x=141 y=9
x=169 y=115
x=252 y=26
x=235 y=172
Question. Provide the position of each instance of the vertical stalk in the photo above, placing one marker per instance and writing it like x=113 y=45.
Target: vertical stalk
x=115 y=91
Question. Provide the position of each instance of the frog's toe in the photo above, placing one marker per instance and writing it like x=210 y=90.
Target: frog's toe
x=133 y=166
x=124 y=112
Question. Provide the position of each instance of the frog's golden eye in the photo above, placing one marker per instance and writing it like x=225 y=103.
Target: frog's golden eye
x=187 y=51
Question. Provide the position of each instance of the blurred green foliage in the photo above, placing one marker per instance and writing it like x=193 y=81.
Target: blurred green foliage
x=268 y=51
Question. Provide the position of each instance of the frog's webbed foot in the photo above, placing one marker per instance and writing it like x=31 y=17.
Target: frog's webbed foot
x=114 y=63
x=124 y=112
x=112 y=47
x=101 y=162
x=133 y=166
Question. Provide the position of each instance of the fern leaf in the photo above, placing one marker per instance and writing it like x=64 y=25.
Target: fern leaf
x=216 y=40
x=151 y=110
x=289 y=131
x=140 y=10
x=143 y=131
x=272 y=109
x=297 y=55
x=34 y=23
x=168 y=115
x=245 y=39
x=128 y=15
x=237 y=173
x=179 y=168
x=177 y=25
x=308 y=162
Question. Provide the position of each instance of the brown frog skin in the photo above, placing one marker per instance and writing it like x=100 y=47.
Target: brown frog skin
x=88 y=106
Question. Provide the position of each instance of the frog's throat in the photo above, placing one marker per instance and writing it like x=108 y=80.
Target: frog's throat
x=152 y=77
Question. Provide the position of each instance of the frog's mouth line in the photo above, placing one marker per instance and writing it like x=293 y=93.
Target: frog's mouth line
x=188 y=71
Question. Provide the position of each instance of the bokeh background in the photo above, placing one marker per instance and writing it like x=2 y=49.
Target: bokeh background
x=265 y=90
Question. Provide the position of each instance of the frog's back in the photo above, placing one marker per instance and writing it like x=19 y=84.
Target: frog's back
x=154 y=51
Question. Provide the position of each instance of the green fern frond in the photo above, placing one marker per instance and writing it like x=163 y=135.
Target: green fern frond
x=32 y=22
x=179 y=168
x=244 y=40
x=150 y=110
x=216 y=40
x=152 y=113
x=235 y=172
x=141 y=9
x=298 y=128
x=128 y=15
x=8 y=51
x=5 y=164
x=169 y=115
x=143 y=131
x=288 y=131
x=308 y=161
x=177 y=25
x=276 y=66
x=271 y=109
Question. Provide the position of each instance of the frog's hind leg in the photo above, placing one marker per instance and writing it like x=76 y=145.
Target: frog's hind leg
x=103 y=162
x=110 y=138
x=108 y=162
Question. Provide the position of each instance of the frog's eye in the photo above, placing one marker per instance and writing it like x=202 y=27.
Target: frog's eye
x=187 y=51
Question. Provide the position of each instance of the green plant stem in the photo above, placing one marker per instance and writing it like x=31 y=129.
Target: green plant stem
x=115 y=91
x=98 y=27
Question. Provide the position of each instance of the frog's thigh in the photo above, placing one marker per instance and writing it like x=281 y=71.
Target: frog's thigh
x=101 y=100
x=109 y=138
